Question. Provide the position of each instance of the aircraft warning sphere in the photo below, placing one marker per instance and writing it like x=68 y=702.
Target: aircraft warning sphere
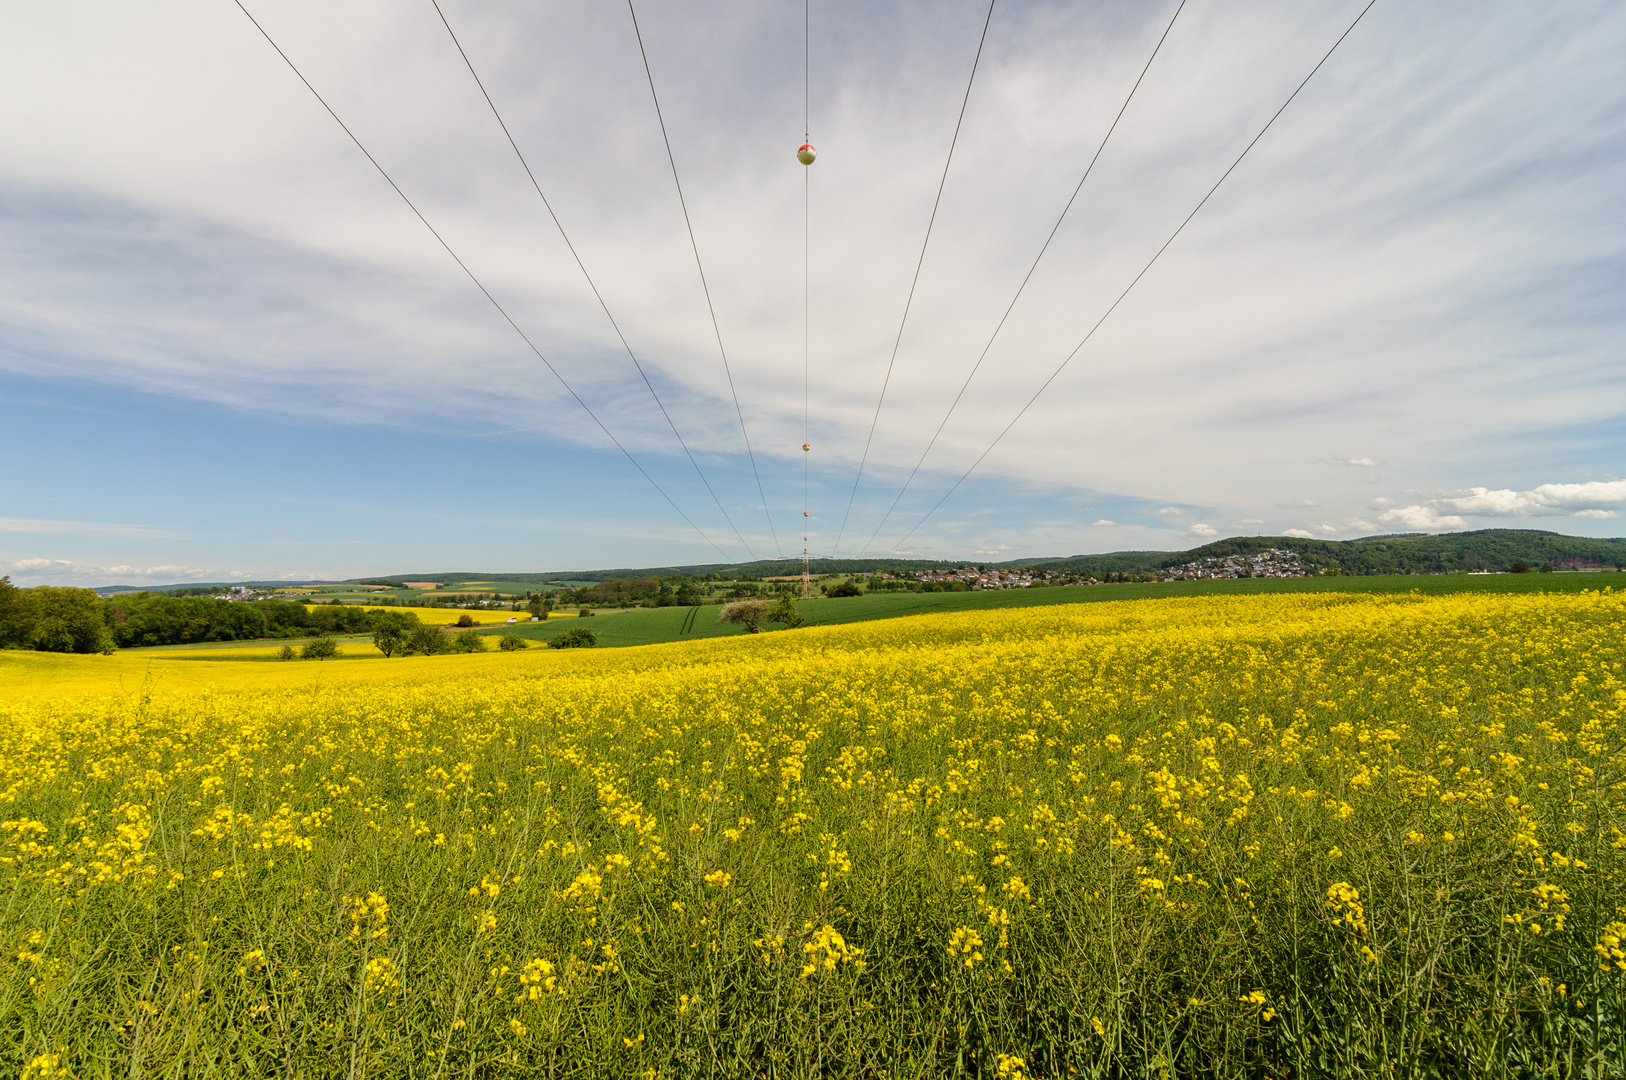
x=807 y=446
x=806 y=154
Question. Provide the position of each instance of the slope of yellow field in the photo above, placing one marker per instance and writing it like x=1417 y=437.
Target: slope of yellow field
x=1329 y=834
x=446 y=616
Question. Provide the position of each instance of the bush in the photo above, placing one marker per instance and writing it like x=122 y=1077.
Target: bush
x=287 y=653
x=511 y=643
x=1520 y=567
x=584 y=612
x=465 y=619
x=577 y=637
x=850 y=588
x=322 y=648
x=750 y=614
x=468 y=641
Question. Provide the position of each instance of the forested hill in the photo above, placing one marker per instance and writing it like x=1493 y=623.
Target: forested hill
x=1409 y=553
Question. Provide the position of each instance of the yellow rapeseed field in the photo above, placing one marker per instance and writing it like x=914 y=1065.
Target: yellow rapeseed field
x=432 y=616
x=1306 y=835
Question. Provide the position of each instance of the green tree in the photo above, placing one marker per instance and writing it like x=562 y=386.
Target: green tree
x=286 y=653
x=577 y=637
x=322 y=648
x=68 y=620
x=850 y=588
x=468 y=641
x=465 y=619
x=787 y=613
x=427 y=641
x=390 y=630
x=511 y=643
x=16 y=615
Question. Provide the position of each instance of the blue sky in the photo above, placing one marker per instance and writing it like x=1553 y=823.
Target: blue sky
x=227 y=350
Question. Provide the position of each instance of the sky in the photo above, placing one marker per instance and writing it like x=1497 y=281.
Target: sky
x=230 y=351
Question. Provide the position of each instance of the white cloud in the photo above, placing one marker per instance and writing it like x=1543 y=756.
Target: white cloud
x=1104 y=523
x=1201 y=529
x=1302 y=534
x=1593 y=499
x=1169 y=512
x=997 y=549
x=1383 y=501
x=1355 y=462
x=1345 y=527
x=1421 y=519
x=1253 y=521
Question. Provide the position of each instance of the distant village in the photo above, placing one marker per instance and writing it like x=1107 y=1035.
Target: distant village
x=1269 y=563
x=1272 y=563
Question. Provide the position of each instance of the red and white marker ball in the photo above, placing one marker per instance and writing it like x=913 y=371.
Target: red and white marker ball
x=806 y=154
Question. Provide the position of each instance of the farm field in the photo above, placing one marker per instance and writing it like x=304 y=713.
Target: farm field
x=1302 y=833
x=443 y=616
x=648 y=626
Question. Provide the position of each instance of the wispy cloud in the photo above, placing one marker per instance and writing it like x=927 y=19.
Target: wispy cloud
x=98 y=528
x=1202 y=530
x=61 y=569
x=1104 y=524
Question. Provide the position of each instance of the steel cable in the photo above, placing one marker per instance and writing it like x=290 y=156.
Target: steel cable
x=477 y=283
x=716 y=329
x=885 y=382
x=1028 y=277
x=1350 y=29
x=590 y=283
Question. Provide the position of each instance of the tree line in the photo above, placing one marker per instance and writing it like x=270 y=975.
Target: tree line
x=60 y=619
